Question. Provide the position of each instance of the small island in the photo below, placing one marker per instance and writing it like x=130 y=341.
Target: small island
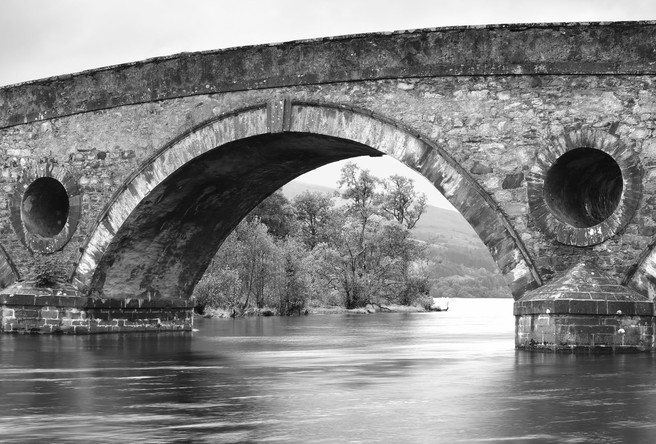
x=365 y=247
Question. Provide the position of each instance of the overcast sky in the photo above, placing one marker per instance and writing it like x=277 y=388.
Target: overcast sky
x=43 y=38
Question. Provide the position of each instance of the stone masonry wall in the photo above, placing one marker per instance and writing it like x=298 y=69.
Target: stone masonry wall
x=584 y=333
x=493 y=126
x=41 y=313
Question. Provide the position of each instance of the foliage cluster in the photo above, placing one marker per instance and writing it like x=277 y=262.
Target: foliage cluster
x=49 y=270
x=312 y=251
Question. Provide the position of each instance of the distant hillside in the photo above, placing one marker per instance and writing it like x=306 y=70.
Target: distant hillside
x=447 y=225
x=294 y=188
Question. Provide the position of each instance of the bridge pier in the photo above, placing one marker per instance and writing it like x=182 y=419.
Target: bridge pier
x=27 y=309
x=583 y=311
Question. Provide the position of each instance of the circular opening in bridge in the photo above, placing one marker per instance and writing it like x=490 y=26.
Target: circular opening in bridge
x=583 y=187
x=44 y=208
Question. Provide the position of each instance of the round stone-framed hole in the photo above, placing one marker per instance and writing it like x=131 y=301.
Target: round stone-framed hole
x=45 y=207
x=583 y=187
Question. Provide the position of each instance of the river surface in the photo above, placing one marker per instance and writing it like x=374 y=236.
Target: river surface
x=451 y=377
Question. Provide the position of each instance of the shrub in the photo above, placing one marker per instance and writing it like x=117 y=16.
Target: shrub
x=49 y=270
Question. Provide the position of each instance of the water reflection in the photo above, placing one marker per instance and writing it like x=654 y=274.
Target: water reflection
x=436 y=377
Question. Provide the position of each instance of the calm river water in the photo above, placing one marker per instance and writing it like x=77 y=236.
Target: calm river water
x=391 y=378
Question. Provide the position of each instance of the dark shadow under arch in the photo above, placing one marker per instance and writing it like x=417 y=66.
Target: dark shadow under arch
x=159 y=232
x=8 y=271
x=641 y=277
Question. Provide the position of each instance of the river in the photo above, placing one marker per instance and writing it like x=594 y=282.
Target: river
x=451 y=377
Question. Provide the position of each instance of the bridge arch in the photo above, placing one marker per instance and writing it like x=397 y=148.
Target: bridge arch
x=8 y=271
x=641 y=277
x=161 y=229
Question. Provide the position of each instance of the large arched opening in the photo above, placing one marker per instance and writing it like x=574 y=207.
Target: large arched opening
x=160 y=231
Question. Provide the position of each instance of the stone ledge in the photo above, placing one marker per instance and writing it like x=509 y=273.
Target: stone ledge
x=38 y=298
x=97 y=303
x=577 y=306
x=41 y=300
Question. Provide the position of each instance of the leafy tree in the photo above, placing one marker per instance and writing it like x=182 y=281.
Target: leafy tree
x=293 y=293
x=286 y=254
x=221 y=288
x=314 y=212
x=358 y=188
x=258 y=253
x=277 y=213
x=401 y=202
x=240 y=272
x=370 y=256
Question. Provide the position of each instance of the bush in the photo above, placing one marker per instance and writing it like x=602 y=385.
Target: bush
x=218 y=290
x=49 y=270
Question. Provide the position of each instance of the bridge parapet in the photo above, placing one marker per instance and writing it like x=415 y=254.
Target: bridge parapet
x=620 y=48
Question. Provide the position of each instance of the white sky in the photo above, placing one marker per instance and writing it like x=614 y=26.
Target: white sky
x=43 y=38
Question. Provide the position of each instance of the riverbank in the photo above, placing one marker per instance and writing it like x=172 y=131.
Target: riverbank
x=219 y=313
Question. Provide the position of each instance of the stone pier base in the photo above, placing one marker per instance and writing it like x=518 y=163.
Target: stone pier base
x=45 y=311
x=557 y=330
x=584 y=312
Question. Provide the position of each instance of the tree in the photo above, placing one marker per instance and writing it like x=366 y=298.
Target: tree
x=370 y=256
x=401 y=202
x=358 y=188
x=349 y=257
x=313 y=211
x=293 y=293
x=283 y=253
x=277 y=213
x=257 y=256
x=239 y=274
x=219 y=289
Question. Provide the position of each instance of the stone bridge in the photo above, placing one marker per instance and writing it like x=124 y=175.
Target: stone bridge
x=542 y=136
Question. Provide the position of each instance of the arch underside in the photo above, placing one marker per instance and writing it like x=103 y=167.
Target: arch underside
x=174 y=233
x=642 y=277
x=8 y=271
x=160 y=232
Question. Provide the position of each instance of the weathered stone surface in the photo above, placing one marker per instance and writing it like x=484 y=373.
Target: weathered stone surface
x=118 y=133
x=513 y=181
x=584 y=187
x=585 y=333
x=38 y=311
x=478 y=168
x=584 y=310
x=623 y=48
x=583 y=282
x=470 y=108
